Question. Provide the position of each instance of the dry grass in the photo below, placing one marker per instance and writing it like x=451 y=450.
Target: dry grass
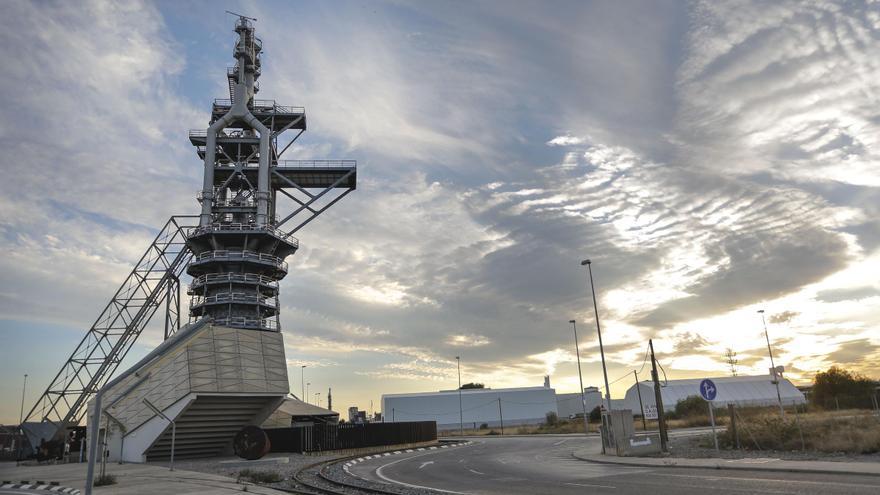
x=255 y=476
x=852 y=432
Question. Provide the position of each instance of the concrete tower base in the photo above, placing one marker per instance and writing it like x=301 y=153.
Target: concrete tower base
x=210 y=380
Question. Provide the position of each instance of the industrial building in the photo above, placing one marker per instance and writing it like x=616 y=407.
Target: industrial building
x=226 y=368
x=515 y=406
x=569 y=405
x=742 y=391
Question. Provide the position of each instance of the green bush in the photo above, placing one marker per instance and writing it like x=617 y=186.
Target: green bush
x=839 y=388
x=551 y=418
x=691 y=406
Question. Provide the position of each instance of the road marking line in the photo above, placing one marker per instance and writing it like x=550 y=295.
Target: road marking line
x=561 y=442
x=389 y=480
x=475 y=471
x=426 y=463
x=592 y=486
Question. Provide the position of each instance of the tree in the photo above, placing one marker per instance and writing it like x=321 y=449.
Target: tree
x=693 y=405
x=596 y=414
x=838 y=386
x=467 y=386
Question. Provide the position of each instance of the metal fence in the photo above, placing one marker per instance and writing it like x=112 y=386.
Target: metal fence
x=321 y=437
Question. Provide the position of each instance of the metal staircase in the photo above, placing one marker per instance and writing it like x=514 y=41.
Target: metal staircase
x=152 y=282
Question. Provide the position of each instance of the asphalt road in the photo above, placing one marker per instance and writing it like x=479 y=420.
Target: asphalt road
x=539 y=465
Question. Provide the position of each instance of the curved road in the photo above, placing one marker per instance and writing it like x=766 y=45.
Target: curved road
x=539 y=465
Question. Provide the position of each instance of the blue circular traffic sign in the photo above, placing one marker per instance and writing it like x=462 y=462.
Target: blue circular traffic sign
x=708 y=390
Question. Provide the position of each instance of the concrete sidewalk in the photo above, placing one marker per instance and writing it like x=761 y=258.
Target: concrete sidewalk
x=132 y=479
x=747 y=464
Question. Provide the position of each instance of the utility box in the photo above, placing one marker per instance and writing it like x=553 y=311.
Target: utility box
x=640 y=444
x=622 y=429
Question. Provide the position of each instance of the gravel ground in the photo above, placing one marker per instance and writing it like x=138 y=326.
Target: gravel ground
x=287 y=465
x=701 y=447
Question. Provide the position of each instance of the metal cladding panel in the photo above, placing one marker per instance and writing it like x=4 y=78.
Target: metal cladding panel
x=518 y=406
x=568 y=405
x=743 y=391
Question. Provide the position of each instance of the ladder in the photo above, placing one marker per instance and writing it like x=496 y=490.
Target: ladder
x=106 y=343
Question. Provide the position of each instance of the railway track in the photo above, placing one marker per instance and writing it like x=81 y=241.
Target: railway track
x=314 y=479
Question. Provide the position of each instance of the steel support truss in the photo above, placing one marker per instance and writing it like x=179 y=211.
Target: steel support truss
x=154 y=281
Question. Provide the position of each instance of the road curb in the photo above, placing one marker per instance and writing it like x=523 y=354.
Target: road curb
x=351 y=462
x=41 y=485
x=723 y=467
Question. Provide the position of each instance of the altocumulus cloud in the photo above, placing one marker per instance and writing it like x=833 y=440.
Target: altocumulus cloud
x=710 y=158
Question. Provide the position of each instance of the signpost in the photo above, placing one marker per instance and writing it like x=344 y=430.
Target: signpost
x=708 y=391
x=651 y=412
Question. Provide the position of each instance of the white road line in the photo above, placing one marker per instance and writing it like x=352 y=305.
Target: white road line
x=562 y=441
x=475 y=471
x=592 y=486
x=389 y=480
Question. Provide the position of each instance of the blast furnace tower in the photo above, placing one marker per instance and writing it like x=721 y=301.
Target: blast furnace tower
x=240 y=244
x=226 y=368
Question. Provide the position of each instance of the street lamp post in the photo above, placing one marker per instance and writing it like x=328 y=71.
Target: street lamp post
x=21 y=412
x=772 y=365
x=460 y=410
x=307 y=391
x=21 y=420
x=302 y=383
x=318 y=399
x=580 y=377
x=599 y=331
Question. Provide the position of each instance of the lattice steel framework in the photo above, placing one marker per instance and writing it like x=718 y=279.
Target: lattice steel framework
x=235 y=251
x=240 y=245
x=152 y=282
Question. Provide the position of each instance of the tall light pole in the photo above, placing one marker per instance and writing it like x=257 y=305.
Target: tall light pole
x=772 y=365
x=580 y=377
x=21 y=412
x=20 y=421
x=599 y=330
x=318 y=399
x=307 y=391
x=460 y=410
x=302 y=383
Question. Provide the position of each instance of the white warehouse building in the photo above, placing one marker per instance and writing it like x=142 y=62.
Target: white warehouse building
x=517 y=406
x=569 y=405
x=742 y=391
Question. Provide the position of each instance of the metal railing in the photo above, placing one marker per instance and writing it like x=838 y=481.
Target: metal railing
x=245 y=278
x=246 y=322
x=262 y=106
x=318 y=163
x=242 y=255
x=241 y=227
x=234 y=297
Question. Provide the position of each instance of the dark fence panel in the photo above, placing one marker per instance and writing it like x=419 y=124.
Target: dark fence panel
x=321 y=437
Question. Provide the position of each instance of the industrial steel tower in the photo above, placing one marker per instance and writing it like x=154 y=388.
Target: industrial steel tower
x=239 y=246
x=235 y=254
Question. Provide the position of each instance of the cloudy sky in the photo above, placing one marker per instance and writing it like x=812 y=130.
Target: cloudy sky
x=712 y=159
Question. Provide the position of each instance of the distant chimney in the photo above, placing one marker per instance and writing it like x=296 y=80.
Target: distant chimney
x=547 y=381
